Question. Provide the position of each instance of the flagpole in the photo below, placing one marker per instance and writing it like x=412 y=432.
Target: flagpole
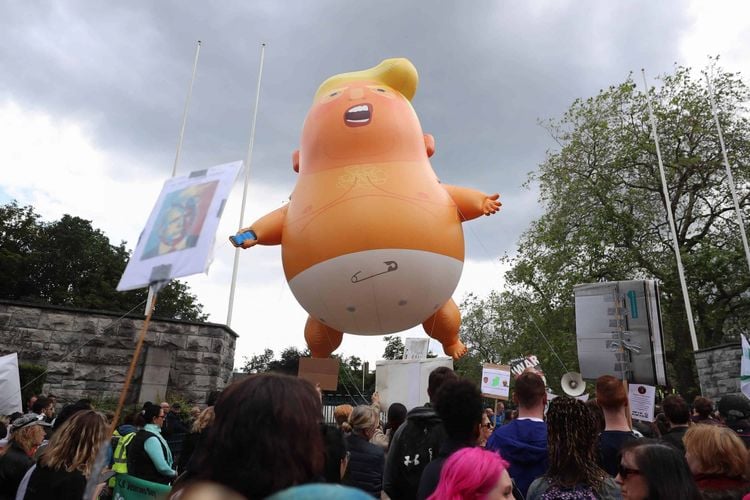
x=185 y=112
x=730 y=177
x=670 y=216
x=150 y=298
x=248 y=160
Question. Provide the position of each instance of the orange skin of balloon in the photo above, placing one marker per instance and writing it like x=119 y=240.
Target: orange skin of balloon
x=369 y=185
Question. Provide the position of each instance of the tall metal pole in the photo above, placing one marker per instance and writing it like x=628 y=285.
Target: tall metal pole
x=248 y=160
x=150 y=299
x=670 y=216
x=185 y=113
x=730 y=178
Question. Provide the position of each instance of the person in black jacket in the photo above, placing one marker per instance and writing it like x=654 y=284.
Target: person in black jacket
x=26 y=434
x=366 y=460
x=459 y=404
x=149 y=456
x=678 y=415
x=68 y=462
x=196 y=437
x=416 y=442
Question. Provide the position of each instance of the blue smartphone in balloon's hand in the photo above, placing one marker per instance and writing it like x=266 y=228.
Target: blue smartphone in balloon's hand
x=238 y=239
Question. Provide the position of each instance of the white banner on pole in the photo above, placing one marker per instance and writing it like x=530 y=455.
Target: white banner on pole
x=10 y=385
x=745 y=368
x=180 y=232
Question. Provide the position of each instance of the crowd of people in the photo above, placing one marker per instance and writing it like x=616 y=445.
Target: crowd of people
x=264 y=437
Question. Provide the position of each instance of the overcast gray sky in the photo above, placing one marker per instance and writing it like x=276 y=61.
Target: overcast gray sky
x=92 y=95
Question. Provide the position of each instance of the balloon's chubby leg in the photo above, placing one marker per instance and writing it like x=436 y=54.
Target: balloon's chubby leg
x=443 y=326
x=321 y=339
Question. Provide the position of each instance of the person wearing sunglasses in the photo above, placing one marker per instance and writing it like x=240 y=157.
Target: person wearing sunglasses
x=485 y=430
x=653 y=470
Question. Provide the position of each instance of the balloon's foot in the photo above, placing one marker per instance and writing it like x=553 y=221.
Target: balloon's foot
x=455 y=351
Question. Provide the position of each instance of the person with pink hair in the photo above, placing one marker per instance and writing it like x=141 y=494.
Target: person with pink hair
x=474 y=474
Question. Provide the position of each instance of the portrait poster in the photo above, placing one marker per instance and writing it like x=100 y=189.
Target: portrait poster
x=179 y=235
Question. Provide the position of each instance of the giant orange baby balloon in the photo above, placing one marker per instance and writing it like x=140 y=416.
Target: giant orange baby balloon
x=371 y=240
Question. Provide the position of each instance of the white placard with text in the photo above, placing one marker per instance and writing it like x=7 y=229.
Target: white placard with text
x=642 y=399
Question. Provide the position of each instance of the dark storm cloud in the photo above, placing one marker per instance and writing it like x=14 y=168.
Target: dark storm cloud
x=489 y=71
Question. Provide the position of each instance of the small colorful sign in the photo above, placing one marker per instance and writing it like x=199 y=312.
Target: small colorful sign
x=495 y=381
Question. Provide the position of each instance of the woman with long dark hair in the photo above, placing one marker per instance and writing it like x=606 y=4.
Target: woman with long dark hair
x=572 y=449
x=265 y=437
x=655 y=471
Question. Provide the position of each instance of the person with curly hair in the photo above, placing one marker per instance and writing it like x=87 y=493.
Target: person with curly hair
x=68 y=461
x=473 y=473
x=571 y=445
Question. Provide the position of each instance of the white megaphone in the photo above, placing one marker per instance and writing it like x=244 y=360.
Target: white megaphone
x=572 y=384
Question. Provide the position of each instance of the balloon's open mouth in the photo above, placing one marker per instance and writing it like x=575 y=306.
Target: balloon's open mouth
x=358 y=115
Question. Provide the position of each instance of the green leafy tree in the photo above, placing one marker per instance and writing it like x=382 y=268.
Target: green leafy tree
x=19 y=233
x=605 y=216
x=288 y=362
x=506 y=326
x=258 y=363
x=70 y=263
x=394 y=348
x=353 y=379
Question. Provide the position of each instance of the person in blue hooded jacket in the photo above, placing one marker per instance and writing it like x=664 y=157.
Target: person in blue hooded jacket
x=523 y=442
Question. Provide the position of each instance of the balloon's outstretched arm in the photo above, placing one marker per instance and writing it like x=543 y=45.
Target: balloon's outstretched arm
x=267 y=229
x=472 y=203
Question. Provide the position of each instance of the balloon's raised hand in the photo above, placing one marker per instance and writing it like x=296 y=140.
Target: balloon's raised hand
x=491 y=204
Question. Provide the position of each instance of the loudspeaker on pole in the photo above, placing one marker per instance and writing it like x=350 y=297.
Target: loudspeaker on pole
x=573 y=384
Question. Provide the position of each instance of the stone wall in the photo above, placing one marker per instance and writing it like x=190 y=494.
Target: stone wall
x=87 y=353
x=719 y=370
